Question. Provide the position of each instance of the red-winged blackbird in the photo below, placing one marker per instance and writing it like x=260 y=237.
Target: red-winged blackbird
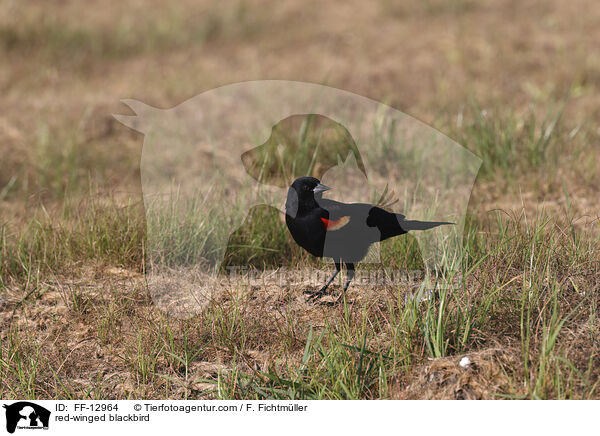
x=343 y=232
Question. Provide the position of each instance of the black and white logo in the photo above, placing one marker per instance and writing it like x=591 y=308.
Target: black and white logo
x=26 y=415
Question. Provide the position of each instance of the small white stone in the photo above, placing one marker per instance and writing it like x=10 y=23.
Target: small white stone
x=464 y=362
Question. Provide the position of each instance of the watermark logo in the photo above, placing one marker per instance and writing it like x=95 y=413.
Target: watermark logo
x=217 y=169
x=25 y=415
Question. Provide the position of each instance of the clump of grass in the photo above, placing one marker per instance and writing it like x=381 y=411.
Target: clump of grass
x=21 y=361
x=91 y=232
x=262 y=241
x=59 y=163
x=329 y=369
x=63 y=164
x=202 y=231
x=512 y=145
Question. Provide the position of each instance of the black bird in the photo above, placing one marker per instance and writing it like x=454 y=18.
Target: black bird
x=341 y=231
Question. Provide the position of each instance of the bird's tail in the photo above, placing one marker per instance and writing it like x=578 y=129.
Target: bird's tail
x=408 y=225
x=394 y=224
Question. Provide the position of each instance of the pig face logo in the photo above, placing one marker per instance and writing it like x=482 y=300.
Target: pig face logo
x=224 y=160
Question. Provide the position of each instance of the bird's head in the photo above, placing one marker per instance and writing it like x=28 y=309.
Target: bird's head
x=303 y=195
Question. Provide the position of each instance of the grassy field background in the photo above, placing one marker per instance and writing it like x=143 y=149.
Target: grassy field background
x=515 y=82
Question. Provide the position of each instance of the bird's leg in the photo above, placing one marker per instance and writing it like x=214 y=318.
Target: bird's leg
x=349 y=277
x=321 y=292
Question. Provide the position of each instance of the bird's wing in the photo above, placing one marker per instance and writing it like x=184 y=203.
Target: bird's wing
x=337 y=209
x=337 y=215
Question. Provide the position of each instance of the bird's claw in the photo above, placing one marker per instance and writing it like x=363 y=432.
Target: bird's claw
x=313 y=295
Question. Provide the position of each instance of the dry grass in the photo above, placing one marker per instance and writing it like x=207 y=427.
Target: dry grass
x=516 y=82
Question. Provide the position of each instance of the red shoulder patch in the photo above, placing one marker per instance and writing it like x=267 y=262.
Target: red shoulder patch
x=335 y=224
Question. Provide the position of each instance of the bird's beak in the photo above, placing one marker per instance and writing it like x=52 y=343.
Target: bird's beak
x=321 y=188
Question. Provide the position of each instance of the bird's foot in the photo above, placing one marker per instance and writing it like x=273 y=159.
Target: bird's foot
x=313 y=295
